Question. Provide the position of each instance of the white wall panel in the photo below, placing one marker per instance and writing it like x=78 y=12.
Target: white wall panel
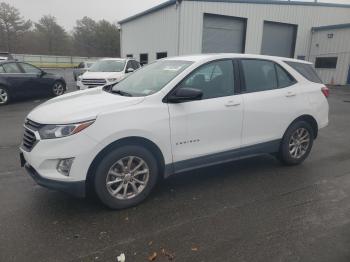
x=338 y=46
x=304 y=16
x=152 y=33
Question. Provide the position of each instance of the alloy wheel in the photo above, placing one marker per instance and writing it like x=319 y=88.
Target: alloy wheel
x=127 y=177
x=3 y=96
x=58 y=89
x=299 y=143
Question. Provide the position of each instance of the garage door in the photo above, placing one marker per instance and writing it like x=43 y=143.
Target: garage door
x=223 y=34
x=278 y=39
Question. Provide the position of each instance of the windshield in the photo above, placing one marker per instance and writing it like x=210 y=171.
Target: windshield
x=151 y=78
x=107 y=66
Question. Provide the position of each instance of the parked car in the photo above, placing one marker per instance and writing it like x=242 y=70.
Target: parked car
x=19 y=79
x=107 y=71
x=174 y=115
x=81 y=69
x=5 y=56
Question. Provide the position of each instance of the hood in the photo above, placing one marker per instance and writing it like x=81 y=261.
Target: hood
x=102 y=75
x=80 y=106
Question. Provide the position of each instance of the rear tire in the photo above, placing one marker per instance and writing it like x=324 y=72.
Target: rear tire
x=4 y=96
x=296 y=143
x=125 y=176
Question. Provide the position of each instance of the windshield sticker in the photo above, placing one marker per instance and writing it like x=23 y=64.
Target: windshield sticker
x=147 y=92
x=172 y=68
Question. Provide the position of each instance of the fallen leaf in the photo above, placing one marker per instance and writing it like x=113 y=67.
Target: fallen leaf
x=150 y=243
x=167 y=254
x=121 y=257
x=195 y=249
x=152 y=257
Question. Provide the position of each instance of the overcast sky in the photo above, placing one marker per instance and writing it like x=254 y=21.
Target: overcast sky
x=68 y=11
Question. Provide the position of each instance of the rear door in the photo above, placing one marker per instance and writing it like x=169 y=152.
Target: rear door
x=37 y=84
x=271 y=101
x=15 y=78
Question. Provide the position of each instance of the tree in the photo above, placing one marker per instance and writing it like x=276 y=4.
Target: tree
x=12 y=26
x=107 y=39
x=53 y=37
x=93 y=38
x=84 y=36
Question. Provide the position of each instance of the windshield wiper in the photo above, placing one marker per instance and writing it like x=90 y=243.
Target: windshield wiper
x=120 y=92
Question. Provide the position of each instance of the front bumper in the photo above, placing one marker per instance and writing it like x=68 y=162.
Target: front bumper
x=76 y=188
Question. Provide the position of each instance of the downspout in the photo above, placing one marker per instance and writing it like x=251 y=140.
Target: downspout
x=120 y=41
x=178 y=8
x=310 y=45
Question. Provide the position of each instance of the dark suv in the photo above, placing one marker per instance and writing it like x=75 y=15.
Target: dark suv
x=18 y=79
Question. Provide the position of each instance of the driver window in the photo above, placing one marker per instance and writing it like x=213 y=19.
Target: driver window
x=215 y=79
x=29 y=69
x=129 y=65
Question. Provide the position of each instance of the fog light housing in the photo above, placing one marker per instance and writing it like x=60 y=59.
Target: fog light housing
x=64 y=166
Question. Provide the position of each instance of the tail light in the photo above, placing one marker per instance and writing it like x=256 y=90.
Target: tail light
x=325 y=91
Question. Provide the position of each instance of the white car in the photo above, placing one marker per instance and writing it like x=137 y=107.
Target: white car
x=106 y=72
x=174 y=115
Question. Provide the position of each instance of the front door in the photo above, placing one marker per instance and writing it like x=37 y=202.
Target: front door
x=209 y=126
x=38 y=84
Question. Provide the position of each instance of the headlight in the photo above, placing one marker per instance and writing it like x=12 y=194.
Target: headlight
x=57 y=131
x=112 y=79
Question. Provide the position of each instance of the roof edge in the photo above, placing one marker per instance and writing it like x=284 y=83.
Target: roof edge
x=277 y=2
x=328 y=27
x=148 y=11
x=269 y=2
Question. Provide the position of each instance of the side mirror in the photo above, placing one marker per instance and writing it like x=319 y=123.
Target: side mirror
x=185 y=94
x=130 y=70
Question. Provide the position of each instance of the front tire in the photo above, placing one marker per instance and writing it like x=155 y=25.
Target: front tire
x=58 y=88
x=4 y=96
x=296 y=143
x=125 y=176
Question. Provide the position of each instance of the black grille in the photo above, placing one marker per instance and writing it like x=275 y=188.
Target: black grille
x=29 y=138
x=94 y=82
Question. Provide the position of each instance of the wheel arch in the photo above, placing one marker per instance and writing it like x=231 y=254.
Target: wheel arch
x=310 y=120
x=133 y=140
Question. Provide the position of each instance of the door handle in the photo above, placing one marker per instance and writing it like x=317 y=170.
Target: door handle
x=232 y=103
x=291 y=94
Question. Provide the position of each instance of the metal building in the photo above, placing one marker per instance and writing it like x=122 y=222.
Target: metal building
x=330 y=52
x=269 y=27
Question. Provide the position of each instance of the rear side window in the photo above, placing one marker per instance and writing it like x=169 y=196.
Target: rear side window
x=306 y=70
x=11 y=68
x=283 y=77
x=259 y=75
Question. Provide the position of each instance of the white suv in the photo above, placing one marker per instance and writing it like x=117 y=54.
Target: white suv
x=174 y=115
x=107 y=71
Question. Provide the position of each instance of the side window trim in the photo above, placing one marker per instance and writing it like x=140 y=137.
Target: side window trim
x=236 y=77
